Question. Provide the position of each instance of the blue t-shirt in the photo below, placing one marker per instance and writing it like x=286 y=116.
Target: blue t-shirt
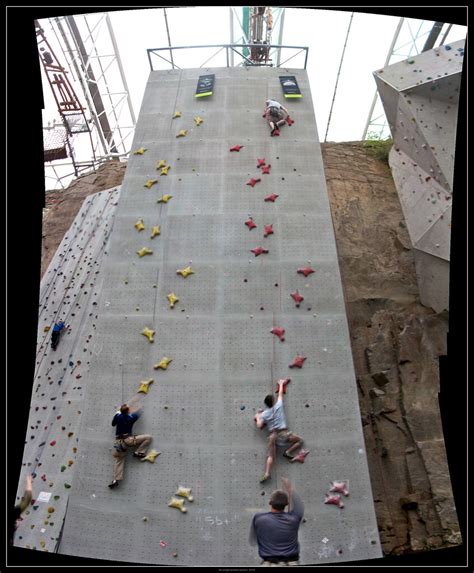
x=277 y=533
x=274 y=416
x=58 y=326
x=124 y=423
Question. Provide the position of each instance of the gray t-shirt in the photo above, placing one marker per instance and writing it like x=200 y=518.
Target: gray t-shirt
x=277 y=533
x=274 y=416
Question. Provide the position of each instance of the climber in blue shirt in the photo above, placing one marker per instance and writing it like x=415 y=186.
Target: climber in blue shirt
x=58 y=327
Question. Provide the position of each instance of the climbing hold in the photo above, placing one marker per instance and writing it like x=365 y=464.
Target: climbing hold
x=67 y=486
x=271 y=198
x=236 y=148
x=150 y=182
x=258 y=251
x=297 y=298
x=50 y=509
x=297 y=362
x=182 y=133
x=285 y=382
x=150 y=457
x=176 y=114
x=63 y=468
x=69 y=434
x=185 y=492
x=140 y=151
x=253 y=181
x=340 y=487
x=46 y=329
x=178 y=503
x=276 y=131
x=334 y=500
x=53 y=443
x=161 y=163
x=164 y=199
x=163 y=363
x=280 y=332
x=149 y=333
x=260 y=163
x=144 y=251
x=139 y=226
x=163 y=543
x=300 y=457
x=164 y=170
x=185 y=272
x=198 y=120
x=144 y=385
x=268 y=230
x=290 y=121
x=305 y=271
x=266 y=169
x=250 y=224
x=173 y=299
x=155 y=231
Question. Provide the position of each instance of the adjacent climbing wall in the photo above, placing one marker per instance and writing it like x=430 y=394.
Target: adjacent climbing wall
x=222 y=235
x=420 y=96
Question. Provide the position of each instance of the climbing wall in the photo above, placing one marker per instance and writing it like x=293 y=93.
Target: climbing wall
x=69 y=292
x=209 y=253
x=420 y=96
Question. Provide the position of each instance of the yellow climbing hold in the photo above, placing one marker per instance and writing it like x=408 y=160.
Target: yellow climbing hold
x=161 y=163
x=140 y=151
x=50 y=509
x=149 y=333
x=150 y=182
x=182 y=133
x=46 y=329
x=144 y=385
x=150 y=457
x=173 y=299
x=176 y=114
x=163 y=363
x=164 y=199
x=155 y=231
x=139 y=226
x=164 y=170
x=144 y=251
x=185 y=492
x=185 y=272
x=198 y=120
x=178 y=503
x=42 y=543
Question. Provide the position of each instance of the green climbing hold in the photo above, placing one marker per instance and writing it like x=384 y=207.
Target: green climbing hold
x=63 y=468
x=67 y=486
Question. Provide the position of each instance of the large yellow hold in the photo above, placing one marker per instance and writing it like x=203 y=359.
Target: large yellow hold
x=144 y=251
x=163 y=363
x=149 y=333
x=150 y=457
x=164 y=199
x=139 y=226
x=185 y=272
x=155 y=231
x=144 y=385
x=185 y=492
x=178 y=503
x=150 y=182
x=173 y=299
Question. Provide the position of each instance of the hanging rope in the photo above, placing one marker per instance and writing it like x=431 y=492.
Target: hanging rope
x=338 y=73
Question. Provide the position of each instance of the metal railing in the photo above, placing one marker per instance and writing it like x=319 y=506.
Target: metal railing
x=229 y=48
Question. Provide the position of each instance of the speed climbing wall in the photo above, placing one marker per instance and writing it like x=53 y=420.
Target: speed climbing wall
x=222 y=234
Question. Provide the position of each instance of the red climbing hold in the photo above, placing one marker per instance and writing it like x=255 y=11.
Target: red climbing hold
x=271 y=198
x=340 y=487
x=53 y=443
x=290 y=121
x=305 y=271
x=297 y=298
x=260 y=162
x=275 y=132
x=280 y=332
x=297 y=362
x=236 y=148
x=334 y=500
x=258 y=251
x=286 y=381
x=253 y=181
x=266 y=169
x=268 y=230
x=250 y=224
x=300 y=457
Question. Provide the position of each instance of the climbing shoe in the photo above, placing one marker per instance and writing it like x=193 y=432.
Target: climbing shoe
x=287 y=455
x=264 y=478
x=113 y=484
x=275 y=131
x=139 y=454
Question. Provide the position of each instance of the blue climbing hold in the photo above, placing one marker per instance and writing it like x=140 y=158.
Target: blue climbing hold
x=447 y=47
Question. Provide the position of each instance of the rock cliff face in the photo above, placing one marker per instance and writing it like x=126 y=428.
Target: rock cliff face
x=396 y=342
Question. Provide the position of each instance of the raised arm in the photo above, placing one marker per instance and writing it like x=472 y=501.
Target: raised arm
x=294 y=502
x=281 y=385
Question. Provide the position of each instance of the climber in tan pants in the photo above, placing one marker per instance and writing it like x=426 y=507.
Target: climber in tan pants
x=124 y=439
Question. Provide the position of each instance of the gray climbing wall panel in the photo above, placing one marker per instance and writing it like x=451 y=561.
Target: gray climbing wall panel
x=224 y=358
x=420 y=97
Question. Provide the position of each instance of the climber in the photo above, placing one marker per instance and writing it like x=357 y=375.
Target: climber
x=20 y=507
x=279 y=435
x=55 y=335
x=276 y=115
x=124 y=439
x=276 y=531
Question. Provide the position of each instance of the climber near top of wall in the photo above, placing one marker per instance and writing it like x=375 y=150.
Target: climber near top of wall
x=276 y=115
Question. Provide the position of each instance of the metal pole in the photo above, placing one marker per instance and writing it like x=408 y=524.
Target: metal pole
x=387 y=60
x=280 y=37
x=231 y=38
x=433 y=36
x=169 y=41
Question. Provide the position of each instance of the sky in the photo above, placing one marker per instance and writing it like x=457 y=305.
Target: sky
x=323 y=31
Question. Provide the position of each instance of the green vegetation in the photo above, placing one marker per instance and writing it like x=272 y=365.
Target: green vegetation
x=379 y=147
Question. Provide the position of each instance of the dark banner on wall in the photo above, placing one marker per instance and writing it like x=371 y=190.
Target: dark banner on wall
x=290 y=86
x=205 y=85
